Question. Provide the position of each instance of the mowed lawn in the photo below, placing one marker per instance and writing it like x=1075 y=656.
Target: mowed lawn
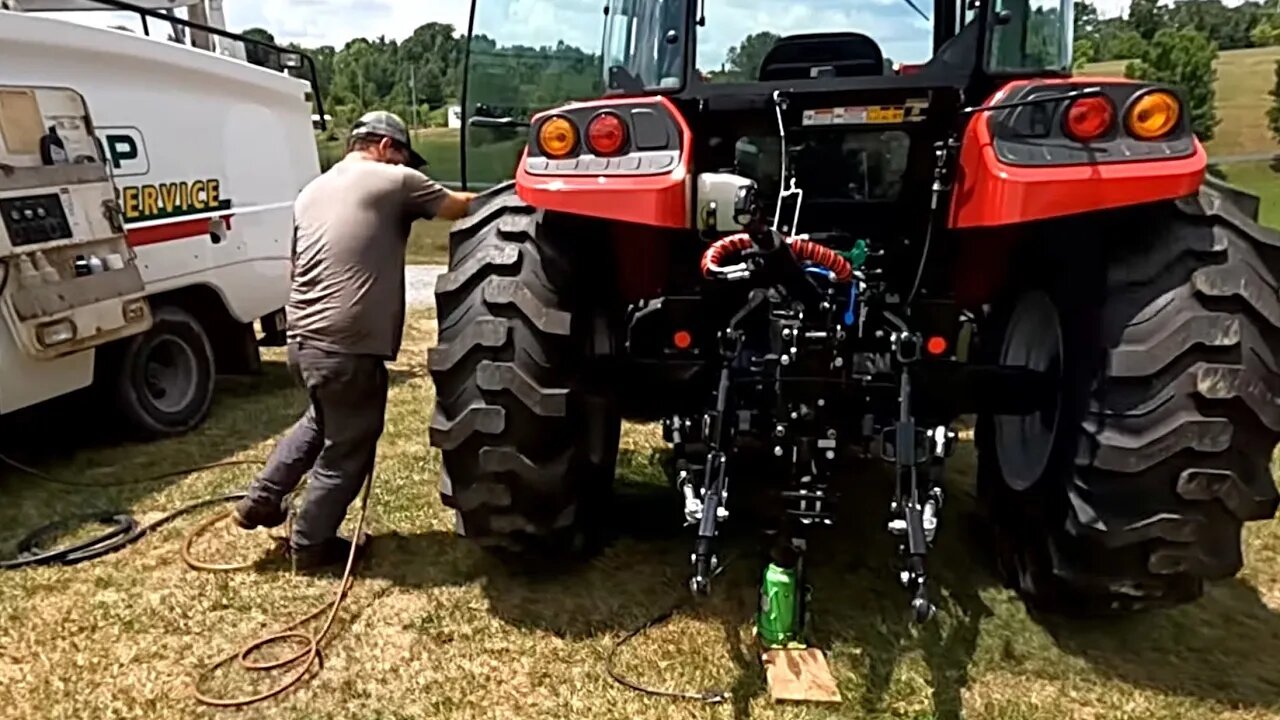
x=434 y=629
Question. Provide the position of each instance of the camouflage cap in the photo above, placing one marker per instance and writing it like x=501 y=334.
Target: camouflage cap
x=381 y=123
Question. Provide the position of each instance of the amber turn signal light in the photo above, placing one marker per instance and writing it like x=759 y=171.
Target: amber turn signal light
x=1089 y=118
x=557 y=137
x=1153 y=115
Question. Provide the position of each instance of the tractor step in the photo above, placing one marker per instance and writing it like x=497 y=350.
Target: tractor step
x=799 y=675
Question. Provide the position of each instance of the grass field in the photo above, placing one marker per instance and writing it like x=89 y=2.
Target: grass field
x=1262 y=179
x=433 y=629
x=429 y=243
x=1244 y=79
x=493 y=156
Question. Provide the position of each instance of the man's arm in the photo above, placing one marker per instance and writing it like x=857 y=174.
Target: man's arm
x=455 y=205
x=428 y=199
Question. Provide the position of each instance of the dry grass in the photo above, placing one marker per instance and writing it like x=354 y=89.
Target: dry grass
x=1244 y=78
x=435 y=630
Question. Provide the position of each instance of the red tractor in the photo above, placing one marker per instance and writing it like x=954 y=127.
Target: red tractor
x=818 y=253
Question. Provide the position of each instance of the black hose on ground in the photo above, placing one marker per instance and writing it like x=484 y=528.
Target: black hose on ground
x=125 y=530
x=122 y=528
x=711 y=697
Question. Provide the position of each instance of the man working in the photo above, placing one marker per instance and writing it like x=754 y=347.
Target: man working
x=345 y=320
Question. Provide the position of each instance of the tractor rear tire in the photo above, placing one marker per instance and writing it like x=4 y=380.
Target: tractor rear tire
x=1168 y=412
x=528 y=447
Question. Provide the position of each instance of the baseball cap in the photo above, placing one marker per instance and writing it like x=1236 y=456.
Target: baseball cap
x=388 y=125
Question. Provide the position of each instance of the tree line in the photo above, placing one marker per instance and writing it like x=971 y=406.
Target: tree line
x=420 y=77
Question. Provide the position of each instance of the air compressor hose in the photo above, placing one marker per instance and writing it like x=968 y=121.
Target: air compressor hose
x=714 y=257
x=823 y=256
x=124 y=530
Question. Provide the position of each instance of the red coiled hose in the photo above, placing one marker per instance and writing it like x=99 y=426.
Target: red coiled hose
x=818 y=254
x=721 y=249
x=824 y=256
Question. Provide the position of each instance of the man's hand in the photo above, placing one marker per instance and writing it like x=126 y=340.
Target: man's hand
x=456 y=205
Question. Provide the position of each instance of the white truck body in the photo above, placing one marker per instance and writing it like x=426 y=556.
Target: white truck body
x=207 y=154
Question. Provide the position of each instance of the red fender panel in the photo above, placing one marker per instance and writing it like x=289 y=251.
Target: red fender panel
x=990 y=193
x=661 y=200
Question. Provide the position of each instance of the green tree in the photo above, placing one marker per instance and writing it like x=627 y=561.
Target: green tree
x=1083 y=53
x=1231 y=28
x=743 y=60
x=1184 y=59
x=1087 y=20
x=258 y=55
x=1266 y=31
x=1146 y=17
x=1273 y=112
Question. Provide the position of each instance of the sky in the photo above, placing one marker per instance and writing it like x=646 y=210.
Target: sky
x=334 y=22
x=321 y=22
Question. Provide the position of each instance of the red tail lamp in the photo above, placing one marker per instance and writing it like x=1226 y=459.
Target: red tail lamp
x=1089 y=118
x=606 y=134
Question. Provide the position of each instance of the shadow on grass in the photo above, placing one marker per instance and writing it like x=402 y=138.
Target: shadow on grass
x=859 y=610
x=1220 y=648
x=1214 y=650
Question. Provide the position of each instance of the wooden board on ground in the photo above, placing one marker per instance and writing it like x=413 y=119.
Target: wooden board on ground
x=800 y=676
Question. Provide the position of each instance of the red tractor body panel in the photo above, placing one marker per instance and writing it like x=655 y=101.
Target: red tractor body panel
x=991 y=193
x=660 y=198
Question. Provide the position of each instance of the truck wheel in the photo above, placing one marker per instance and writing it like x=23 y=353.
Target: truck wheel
x=163 y=379
x=528 y=449
x=1132 y=491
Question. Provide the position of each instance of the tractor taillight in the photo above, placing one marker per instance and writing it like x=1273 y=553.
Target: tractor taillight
x=606 y=134
x=1153 y=115
x=557 y=137
x=1090 y=118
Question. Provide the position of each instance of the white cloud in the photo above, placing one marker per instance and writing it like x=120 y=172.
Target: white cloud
x=1113 y=8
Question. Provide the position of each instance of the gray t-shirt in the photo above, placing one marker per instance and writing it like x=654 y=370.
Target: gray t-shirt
x=351 y=225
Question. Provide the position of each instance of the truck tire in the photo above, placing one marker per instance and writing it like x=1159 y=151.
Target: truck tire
x=528 y=448
x=1164 y=336
x=163 y=379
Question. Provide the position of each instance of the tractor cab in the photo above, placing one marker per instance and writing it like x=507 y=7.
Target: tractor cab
x=717 y=58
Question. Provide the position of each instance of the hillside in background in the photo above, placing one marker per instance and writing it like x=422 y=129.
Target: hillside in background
x=1244 y=79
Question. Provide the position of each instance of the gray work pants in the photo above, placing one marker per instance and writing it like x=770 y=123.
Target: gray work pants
x=334 y=441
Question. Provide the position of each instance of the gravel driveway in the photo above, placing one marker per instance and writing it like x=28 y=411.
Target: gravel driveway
x=420 y=285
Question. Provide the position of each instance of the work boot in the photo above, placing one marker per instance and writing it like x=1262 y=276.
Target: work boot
x=331 y=553
x=249 y=515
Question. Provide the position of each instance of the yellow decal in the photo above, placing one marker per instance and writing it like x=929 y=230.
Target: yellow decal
x=885 y=114
x=167 y=200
